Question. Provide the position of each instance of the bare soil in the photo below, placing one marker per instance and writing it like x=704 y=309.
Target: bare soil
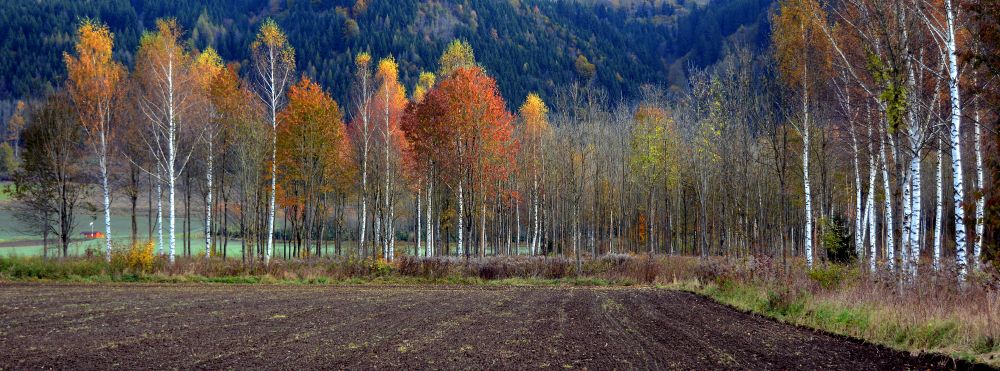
x=142 y=326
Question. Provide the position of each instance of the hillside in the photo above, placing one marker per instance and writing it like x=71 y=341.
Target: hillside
x=529 y=45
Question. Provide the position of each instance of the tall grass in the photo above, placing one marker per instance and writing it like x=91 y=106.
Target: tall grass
x=930 y=313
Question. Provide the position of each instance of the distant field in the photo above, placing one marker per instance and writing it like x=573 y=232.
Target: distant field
x=121 y=225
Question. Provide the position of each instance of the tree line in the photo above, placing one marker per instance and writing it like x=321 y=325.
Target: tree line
x=816 y=148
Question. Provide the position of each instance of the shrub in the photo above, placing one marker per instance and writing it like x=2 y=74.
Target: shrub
x=830 y=277
x=379 y=267
x=836 y=239
x=139 y=257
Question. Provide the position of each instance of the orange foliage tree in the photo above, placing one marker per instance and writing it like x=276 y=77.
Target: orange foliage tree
x=93 y=80
x=311 y=146
x=463 y=130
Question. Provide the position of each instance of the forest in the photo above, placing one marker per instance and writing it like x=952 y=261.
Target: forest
x=530 y=46
x=843 y=141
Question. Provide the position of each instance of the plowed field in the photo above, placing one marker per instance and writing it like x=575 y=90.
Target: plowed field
x=91 y=326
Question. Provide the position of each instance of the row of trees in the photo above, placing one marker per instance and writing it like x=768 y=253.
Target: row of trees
x=726 y=165
x=895 y=79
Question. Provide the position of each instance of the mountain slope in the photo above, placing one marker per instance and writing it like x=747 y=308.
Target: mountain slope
x=528 y=45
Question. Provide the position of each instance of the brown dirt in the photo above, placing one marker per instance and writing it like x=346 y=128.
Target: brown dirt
x=85 y=326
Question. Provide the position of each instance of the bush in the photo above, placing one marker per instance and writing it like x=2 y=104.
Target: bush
x=830 y=277
x=379 y=268
x=139 y=257
x=836 y=239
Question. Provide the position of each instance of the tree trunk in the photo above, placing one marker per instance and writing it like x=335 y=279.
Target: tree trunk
x=939 y=206
x=106 y=192
x=208 y=202
x=890 y=250
x=956 y=146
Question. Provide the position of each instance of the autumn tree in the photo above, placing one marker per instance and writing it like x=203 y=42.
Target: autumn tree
x=389 y=101
x=533 y=115
x=274 y=60
x=424 y=84
x=654 y=158
x=93 y=80
x=243 y=133
x=458 y=54
x=796 y=43
x=311 y=157
x=361 y=133
x=15 y=125
x=163 y=68
x=207 y=67
x=483 y=128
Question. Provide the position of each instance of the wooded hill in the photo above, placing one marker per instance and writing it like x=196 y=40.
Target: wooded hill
x=527 y=45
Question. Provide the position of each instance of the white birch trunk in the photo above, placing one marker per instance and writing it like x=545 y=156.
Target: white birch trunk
x=939 y=210
x=956 y=146
x=171 y=159
x=377 y=219
x=805 y=175
x=274 y=155
x=392 y=232
x=866 y=231
x=363 y=105
x=890 y=248
x=536 y=229
x=859 y=224
x=915 y=209
x=364 y=199
x=482 y=225
x=208 y=201
x=159 y=210
x=904 y=248
x=430 y=228
x=977 y=248
x=870 y=206
x=389 y=238
x=103 y=159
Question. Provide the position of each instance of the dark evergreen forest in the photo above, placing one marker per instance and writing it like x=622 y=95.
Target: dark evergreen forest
x=527 y=45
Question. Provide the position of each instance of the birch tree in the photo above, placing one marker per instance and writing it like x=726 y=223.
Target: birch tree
x=796 y=28
x=391 y=100
x=274 y=61
x=944 y=33
x=163 y=69
x=207 y=66
x=363 y=91
x=93 y=81
x=534 y=117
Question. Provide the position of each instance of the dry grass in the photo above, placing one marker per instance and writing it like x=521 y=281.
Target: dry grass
x=930 y=313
